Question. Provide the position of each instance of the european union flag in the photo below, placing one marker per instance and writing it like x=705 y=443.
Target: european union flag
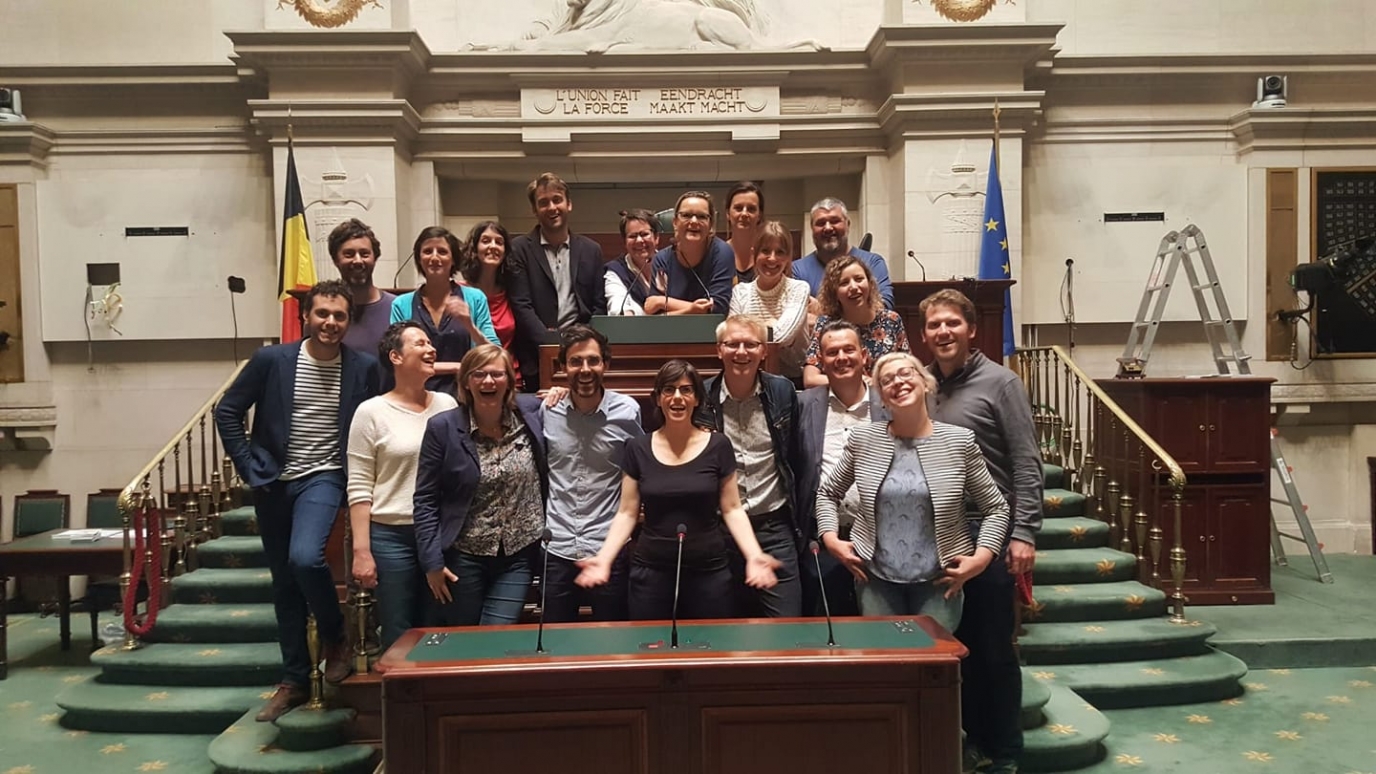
x=994 y=259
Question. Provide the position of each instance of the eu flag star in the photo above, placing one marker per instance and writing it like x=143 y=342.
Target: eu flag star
x=992 y=225
x=1007 y=270
x=1004 y=244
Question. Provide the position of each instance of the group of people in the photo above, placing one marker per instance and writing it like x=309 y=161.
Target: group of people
x=922 y=483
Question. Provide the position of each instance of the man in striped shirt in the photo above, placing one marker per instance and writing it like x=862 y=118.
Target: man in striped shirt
x=304 y=395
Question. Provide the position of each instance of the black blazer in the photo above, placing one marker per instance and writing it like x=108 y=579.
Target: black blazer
x=530 y=289
x=447 y=476
x=812 y=440
x=268 y=384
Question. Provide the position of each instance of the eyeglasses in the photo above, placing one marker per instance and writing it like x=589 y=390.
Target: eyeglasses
x=482 y=376
x=748 y=346
x=648 y=236
x=705 y=217
x=670 y=390
x=591 y=361
x=906 y=374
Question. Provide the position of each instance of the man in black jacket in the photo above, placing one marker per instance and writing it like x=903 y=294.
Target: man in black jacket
x=758 y=412
x=554 y=276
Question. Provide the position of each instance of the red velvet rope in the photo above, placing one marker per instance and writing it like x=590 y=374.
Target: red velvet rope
x=146 y=526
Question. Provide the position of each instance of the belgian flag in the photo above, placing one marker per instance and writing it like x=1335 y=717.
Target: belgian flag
x=297 y=271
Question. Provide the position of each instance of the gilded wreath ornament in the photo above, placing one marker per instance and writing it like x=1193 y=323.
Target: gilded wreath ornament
x=321 y=14
x=964 y=10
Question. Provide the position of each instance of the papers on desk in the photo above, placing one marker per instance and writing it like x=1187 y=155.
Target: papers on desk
x=87 y=535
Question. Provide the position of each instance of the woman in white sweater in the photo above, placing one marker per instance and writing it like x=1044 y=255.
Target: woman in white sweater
x=384 y=443
x=910 y=548
x=777 y=298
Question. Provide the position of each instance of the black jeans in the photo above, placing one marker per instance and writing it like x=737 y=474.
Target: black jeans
x=839 y=583
x=563 y=596
x=702 y=593
x=785 y=600
x=990 y=678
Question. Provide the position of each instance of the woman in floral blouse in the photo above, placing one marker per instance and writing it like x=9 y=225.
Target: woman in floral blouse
x=849 y=292
x=480 y=495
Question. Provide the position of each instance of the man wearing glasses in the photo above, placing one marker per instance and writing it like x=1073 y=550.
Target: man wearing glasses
x=758 y=413
x=694 y=274
x=586 y=434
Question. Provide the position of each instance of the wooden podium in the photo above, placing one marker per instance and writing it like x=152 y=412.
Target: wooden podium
x=987 y=295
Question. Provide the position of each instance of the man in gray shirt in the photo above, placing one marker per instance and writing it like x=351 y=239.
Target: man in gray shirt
x=975 y=392
x=586 y=433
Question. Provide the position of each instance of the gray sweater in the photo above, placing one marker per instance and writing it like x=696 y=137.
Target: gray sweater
x=990 y=400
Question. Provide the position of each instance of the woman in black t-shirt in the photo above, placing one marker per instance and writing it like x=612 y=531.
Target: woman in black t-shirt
x=686 y=478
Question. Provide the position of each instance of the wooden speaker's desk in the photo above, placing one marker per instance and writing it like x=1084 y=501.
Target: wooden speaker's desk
x=757 y=696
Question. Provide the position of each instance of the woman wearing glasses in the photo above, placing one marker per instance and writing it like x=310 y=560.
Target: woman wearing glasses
x=693 y=275
x=850 y=293
x=910 y=548
x=480 y=495
x=684 y=476
x=628 y=281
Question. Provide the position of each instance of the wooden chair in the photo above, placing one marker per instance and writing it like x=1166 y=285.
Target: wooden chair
x=37 y=511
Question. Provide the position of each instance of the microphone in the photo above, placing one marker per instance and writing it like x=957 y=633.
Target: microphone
x=826 y=607
x=682 y=531
x=913 y=256
x=545 y=537
x=1068 y=301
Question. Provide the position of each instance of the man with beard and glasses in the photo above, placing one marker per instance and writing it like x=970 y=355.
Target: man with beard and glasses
x=354 y=249
x=831 y=236
x=758 y=414
x=586 y=433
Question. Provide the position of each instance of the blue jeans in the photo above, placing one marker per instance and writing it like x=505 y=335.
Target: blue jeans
x=401 y=589
x=491 y=590
x=881 y=597
x=294 y=521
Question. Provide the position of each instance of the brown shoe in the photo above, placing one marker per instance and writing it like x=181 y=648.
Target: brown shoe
x=339 y=663
x=286 y=698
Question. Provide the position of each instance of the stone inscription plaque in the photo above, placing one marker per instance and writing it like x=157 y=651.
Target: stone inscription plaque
x=651 y=103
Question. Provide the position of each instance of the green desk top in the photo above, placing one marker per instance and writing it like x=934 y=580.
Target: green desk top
x=695 y=637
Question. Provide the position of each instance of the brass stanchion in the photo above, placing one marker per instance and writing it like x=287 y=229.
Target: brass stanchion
x=1177 y=564
x=363 y=616
x=317 y=701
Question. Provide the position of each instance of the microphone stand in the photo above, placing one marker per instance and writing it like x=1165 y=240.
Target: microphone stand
x=545 y=537
x=678 y=571
x=826 y=606
x=913 y=256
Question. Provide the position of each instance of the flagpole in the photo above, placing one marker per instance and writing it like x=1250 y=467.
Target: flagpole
x=997 y=110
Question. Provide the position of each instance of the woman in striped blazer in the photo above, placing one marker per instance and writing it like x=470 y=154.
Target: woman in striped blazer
x=910 y=548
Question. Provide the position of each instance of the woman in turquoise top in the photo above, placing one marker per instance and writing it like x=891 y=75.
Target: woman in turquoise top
x=455 y=317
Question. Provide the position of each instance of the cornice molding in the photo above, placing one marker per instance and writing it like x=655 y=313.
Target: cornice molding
x=335 y=121
x=1194 y=65
x=1308 y=129
x=261 y=52
x=154 y=141
x=27 y=427
x=1141 y=128
x=1024 y=44
x=959 y=115
x=25 y=143
x=59 y=76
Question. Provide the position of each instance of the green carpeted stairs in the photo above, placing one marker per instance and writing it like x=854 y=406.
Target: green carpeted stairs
x=1095 y=638
x=209 y=665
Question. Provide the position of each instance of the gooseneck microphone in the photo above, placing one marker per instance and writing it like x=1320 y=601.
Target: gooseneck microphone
x=826 y=607
x=682 y=530
x=913 y=256
x=545 y=537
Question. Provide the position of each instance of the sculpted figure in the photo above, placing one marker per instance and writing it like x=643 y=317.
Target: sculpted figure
x=598 y=26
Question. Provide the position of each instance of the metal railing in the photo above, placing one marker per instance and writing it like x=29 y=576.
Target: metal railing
x=169 y=508
x=1127 y=478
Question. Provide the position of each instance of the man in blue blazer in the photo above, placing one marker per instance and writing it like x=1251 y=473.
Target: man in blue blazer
x=304 y=395
x=825 y=416
x=554 y=277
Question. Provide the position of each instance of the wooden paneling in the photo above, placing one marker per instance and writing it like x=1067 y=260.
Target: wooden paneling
x=1282 y=254
x=11 y=317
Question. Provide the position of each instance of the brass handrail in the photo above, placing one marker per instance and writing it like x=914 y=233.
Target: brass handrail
x=1110 y=459
x=144 y=506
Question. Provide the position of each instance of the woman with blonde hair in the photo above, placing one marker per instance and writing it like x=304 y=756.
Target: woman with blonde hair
x=480 y=495
x=910 y=547
x=850 y=293
x=775 y=297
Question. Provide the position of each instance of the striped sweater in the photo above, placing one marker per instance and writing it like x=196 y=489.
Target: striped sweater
x=955 y=469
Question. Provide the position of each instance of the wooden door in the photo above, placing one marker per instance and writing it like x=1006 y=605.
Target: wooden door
x=1239 y=537
x=1179 y=420
x=1239 y=422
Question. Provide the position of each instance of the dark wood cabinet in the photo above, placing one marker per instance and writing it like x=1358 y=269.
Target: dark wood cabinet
x=1218 y=430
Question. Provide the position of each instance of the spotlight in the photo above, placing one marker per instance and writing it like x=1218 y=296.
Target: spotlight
x=1271 y=91
x=11 y=109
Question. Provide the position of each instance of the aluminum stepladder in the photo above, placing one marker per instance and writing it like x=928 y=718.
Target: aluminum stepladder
x=1301 y=512
x=1177 y=248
